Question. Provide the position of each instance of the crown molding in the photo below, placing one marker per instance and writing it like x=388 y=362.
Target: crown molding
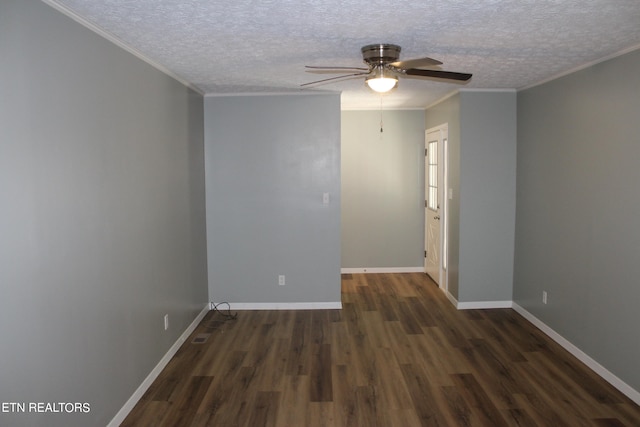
x=115 y=40
x=581 y=67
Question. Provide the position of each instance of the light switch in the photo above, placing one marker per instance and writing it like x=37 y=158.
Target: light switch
x=325 y=198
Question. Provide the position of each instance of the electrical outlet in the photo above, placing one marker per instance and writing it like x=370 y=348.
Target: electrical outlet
x=281 y=280
x=544 y=297
x=166 y=322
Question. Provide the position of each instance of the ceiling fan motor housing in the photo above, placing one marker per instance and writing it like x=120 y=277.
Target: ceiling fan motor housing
x=376 y=54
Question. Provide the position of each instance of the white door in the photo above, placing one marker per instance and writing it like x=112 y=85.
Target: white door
x=433 y=167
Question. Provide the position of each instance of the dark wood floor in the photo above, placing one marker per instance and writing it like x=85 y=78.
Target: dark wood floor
x=397 y=354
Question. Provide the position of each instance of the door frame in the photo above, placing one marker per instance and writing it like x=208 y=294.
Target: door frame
x=443 y=171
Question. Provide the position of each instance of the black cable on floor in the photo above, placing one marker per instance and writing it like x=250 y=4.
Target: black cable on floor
x=227 y=315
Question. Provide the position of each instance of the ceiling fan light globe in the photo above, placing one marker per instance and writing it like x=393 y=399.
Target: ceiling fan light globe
x=382 y=84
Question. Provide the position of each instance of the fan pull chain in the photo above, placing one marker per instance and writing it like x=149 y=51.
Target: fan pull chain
x=381 y=124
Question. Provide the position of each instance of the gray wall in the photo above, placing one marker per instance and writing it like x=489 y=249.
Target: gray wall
x=448 y=111
x=578 y=204
x=269 y=159
x=487 y=195
x=482 y=172
x=382 y=189
x=102 y=218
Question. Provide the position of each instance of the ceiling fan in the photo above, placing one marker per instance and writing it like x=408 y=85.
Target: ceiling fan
x=383 y=68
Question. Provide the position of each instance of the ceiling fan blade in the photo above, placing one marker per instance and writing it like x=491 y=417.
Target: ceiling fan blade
x=416 y=63
x=334 y=78
x=438 y=74
x=338 y=69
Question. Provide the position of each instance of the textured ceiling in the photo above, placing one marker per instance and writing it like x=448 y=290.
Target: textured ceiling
x=249 y=46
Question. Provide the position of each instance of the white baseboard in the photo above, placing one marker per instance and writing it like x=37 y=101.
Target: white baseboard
x=481 y=305
x=450 y=297
x=476 y=305
x=135 y=397
x=612 y=379
x=286 y=306
x=358 y=270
